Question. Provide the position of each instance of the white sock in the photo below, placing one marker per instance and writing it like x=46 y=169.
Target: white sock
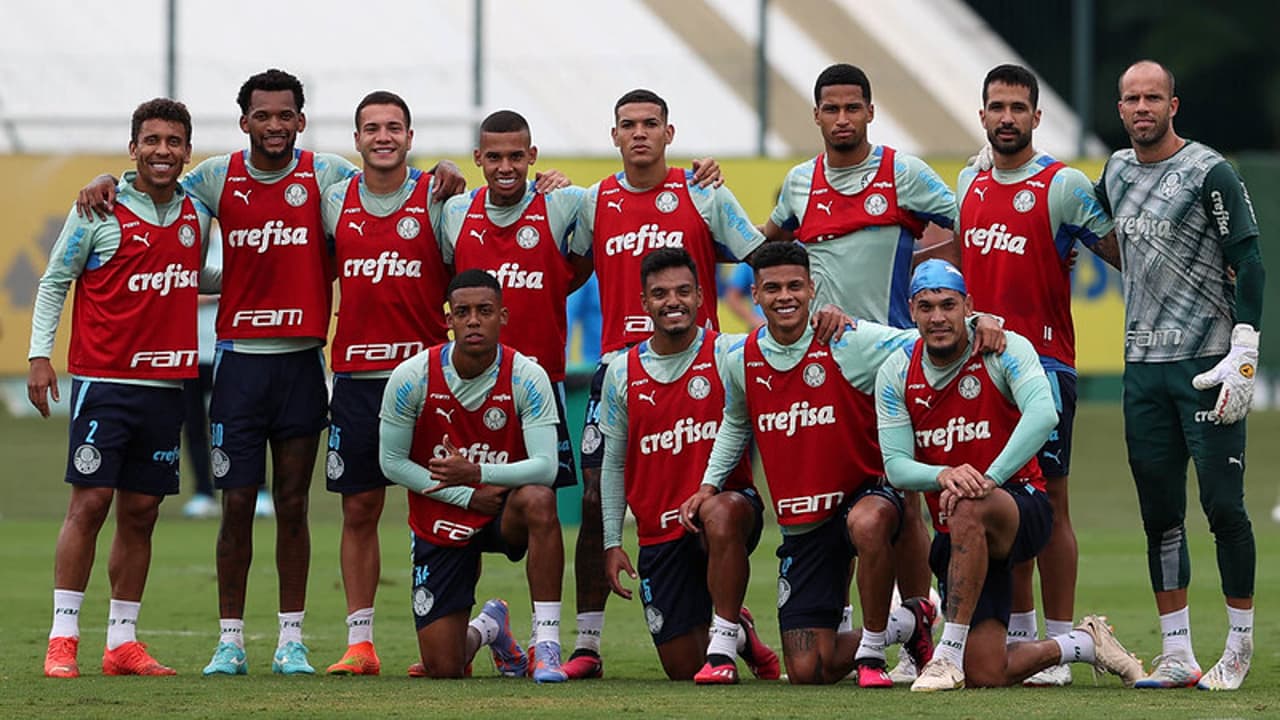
x=360 y=626
x=902 y=623
x=724 y=637
x=951 y=646
x=290 y=628
x=1076 y=646
x=1022 y=627
x=487 y=627
x=1175 y=632
x=846 y=620
x=1240 y=636
x=232 y=631
x=590 y=626
x=1054 y=628
x=122 y=623
x=546 y=622
x=871 y=646
x=66 y=613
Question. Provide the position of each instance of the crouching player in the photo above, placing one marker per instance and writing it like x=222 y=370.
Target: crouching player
x=808 y=404
x=663 y=400
x=492 y=495
x=964 y=427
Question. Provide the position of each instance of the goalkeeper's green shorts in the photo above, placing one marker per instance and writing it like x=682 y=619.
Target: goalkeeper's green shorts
x=1166 y=423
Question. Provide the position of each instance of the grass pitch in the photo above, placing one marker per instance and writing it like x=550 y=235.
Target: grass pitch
x=179 y=617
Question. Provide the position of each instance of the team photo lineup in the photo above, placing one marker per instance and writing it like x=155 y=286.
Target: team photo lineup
x=910 y=340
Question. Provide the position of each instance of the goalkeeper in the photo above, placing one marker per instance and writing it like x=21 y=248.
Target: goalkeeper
x=1193 y=283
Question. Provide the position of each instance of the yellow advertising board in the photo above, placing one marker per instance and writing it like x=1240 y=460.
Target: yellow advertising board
x=38 y=192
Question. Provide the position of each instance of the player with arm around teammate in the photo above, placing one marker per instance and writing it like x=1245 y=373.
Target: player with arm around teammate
x=647 y=206
x=392 y=279
x=517 y=229
x=808 y=407
x=964 y=427
x=1018 y=222
x=269 y=387
x=133 y=342
x=469 y=427
x=663 y=400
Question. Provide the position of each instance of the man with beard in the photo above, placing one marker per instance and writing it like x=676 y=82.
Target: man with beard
x=1193 y=290
x=663 y=400
x=963 y=426
x=1018 y=222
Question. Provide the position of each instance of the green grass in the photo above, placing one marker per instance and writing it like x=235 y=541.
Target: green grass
x=179 y=617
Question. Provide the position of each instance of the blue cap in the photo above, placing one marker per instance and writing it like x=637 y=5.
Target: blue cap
x=935 y=274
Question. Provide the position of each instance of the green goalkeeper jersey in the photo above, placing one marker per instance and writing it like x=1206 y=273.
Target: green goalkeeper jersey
x=1173 y=218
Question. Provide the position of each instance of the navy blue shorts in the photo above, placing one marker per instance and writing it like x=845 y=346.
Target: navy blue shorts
x=444 y=578
x=592 y=439
x=673 y=580
x=813 y=568
x=257 y=398
x=1055 y=456
x=351 y=464
x=567 y=474
x=1035 y=523
x=124 y=437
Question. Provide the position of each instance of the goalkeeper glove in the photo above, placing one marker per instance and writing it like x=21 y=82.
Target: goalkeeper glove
x=1235 y=374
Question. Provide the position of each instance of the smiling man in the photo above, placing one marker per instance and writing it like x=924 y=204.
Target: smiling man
x=273 y=319
x=133 y=342
x=392 y=280
x=518 y=230
x=663 y=400
x=809 y=408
